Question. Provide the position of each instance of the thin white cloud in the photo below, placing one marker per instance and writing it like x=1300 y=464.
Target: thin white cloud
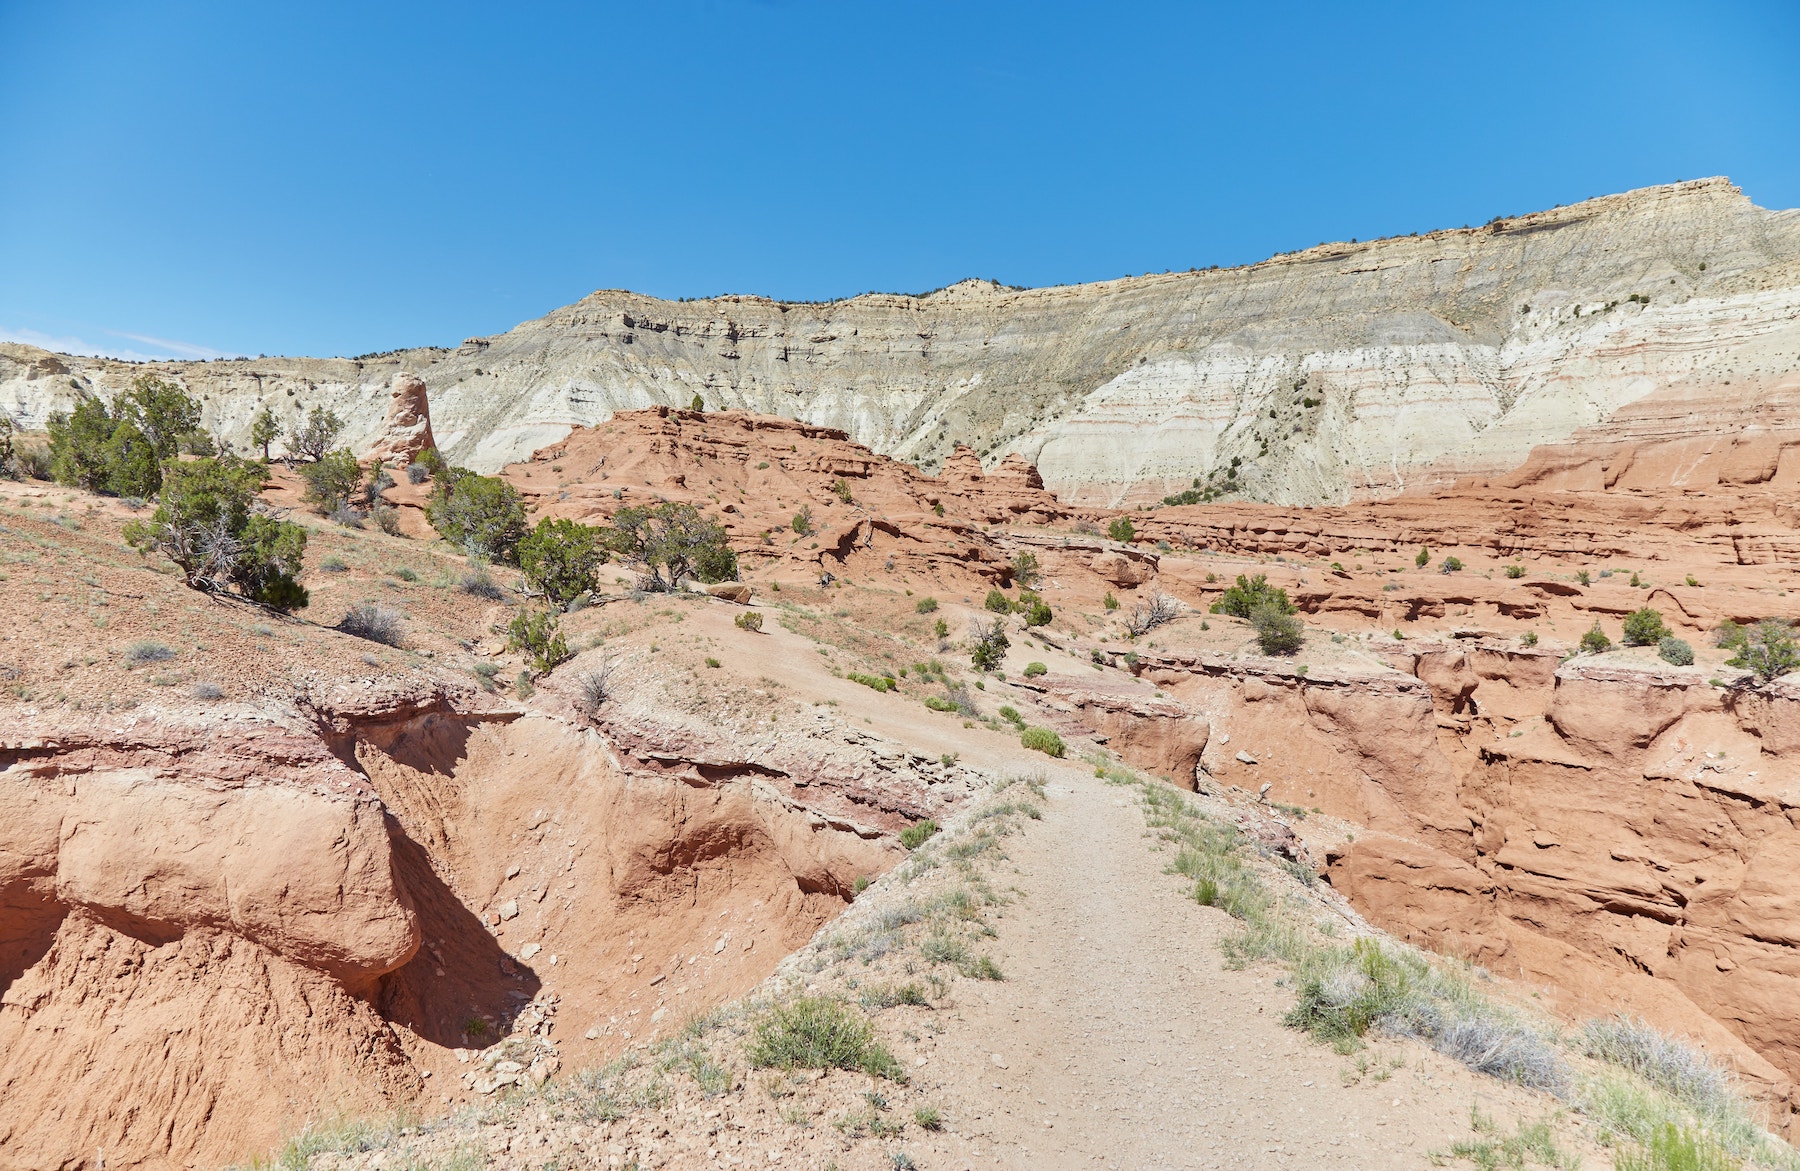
x=162 y=349
x=177 y=349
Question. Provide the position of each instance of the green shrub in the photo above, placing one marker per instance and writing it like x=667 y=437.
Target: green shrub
x=917 y=834
x=1583 y=578
x=1529 y=638
x=938 y=703
x=1042 y=740
x=1424 y=557
x=878 y=682
x=1728 y=635
x=1278 y=632
x=264 y=430
x=802 y=522
x=991 y=643
x=431 y=461
x=332 y=481
x=561 y=559
x=1026 y=570
x=1038 y=614
x=1515 y=571
x=1110 y=602
x=675 y=540
x=1034 y=669
x=1675 y=650
x=928 y=1118
x=1693 y=581
x=1768 y=650
x=1121 y=529
x=713 y=663
x=926 y=606
x=1342 y=994
x=315 y=437
x=1645 y=627
x=1249 y=593
x=1011 y=715
x=481 y=514
x=1676 y=1148
x=405 y=573
x=982 y=968
x=1595 y=642
x=122 y=451
x=1452 y=565
x=206 y=521
x=817 y=1032
x=751 y=620
x=842 y=491
x=998 y=602
x=534 y=634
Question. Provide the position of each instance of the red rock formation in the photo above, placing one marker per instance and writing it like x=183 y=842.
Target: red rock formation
x=407 y=429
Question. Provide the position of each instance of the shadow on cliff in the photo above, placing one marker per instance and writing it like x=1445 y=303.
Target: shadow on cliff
x=27 y=929
x=461 y=990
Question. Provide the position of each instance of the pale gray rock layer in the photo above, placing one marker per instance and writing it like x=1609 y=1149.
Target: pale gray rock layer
x=1420 y=356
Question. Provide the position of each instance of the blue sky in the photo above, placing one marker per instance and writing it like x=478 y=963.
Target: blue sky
x=322 y=178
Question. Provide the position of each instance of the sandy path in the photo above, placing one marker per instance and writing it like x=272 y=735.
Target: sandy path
x=1126 y=1043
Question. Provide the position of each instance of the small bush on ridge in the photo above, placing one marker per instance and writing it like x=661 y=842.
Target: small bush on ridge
x=1675 y=650
x=536 y=636
x=1645 y=627
x=916 y=834
x=817 y=1032
x=375 y=623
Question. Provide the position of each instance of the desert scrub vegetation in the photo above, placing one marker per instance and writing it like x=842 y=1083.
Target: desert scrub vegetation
x=561 y=559
x=1042 y=740
x=875 y=682
x=483 y=515
x=210 y=522
x=1640 y=1087
x=375 y=623
x=1249 y=593
x=1676 y=651
x=915 y=835
x=1645 y=627
x=818 y=1032
x=1767 y=650
x=536 y=637
x=1157 y=610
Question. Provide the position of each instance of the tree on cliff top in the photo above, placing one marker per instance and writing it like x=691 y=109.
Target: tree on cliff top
x=1768 y=650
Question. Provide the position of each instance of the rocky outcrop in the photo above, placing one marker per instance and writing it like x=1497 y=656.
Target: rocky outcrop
x=1360 y=368
x=406 y=431
x=789 y=492
x=212 y=933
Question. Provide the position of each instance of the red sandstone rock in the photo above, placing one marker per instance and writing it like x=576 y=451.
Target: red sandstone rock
x=407 y=430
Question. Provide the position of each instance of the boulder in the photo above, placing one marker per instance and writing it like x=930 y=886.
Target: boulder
x=407 y=430
x=1121 y=570
x=731 y=591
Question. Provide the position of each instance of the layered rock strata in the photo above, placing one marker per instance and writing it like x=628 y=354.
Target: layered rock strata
x=1342 y=370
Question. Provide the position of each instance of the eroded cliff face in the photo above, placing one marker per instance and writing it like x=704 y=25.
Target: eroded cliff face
x=1332 y=372
x=210 y=936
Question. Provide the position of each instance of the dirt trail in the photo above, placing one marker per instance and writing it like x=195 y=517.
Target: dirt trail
x=1126 y=1043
